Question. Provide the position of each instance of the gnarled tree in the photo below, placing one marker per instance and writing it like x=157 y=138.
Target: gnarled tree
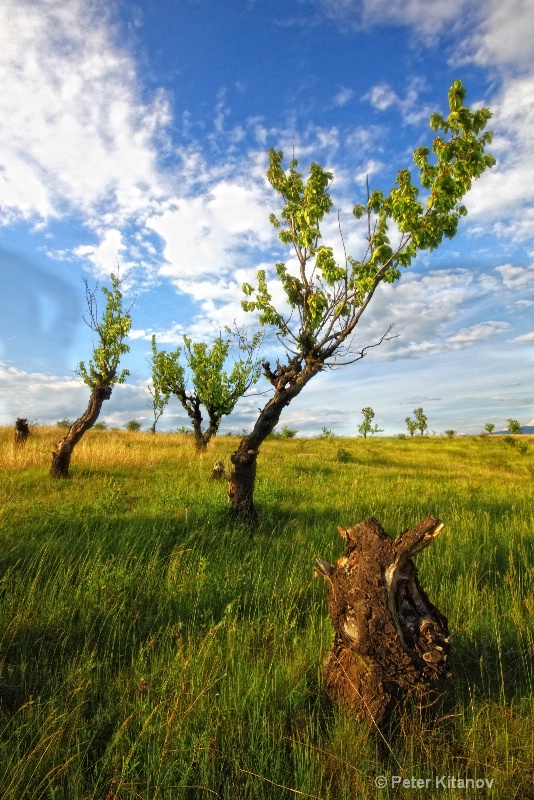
x=213 y=389
x=102 y=372
x=327 y=299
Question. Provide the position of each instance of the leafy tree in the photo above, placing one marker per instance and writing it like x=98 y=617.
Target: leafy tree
x=489 y=427
x=133 y=426
x=327 y=299
x=514 y=426
x=212 y=387
x=100 y=426
x=450 y=433
x=102 y=372
x=420 y=420
x=63 y=423
x=159 y=397
x=367 y=426
x=411 y=424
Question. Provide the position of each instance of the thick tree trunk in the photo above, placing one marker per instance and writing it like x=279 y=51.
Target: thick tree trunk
x=62 y=452
x=288 y=382
x=390 y=642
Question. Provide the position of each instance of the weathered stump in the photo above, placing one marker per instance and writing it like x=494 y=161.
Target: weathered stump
x=22 y=431
x=390 y=641
x=218 y=471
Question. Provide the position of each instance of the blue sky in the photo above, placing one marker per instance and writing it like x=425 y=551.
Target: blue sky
x=138 y=133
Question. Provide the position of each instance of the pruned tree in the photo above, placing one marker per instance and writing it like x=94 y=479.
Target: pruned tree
x=367 y=426
x=326 y=299
x=102 y=372
x=213 y=389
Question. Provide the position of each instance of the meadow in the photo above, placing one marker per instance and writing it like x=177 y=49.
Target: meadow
x=152 y=649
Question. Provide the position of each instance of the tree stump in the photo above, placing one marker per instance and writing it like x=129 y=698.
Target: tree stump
x=22 y=431
x=390 y=642
x=218 y=471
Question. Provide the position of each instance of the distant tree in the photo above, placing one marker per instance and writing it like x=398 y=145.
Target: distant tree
x=450 y=433
x=326 y=433
x=133 y=426
x=212 y=388
x=366 y=427
x=159 y=395
x=489 y=427
x=63 y=423
x=514 y=426
x=102 y=372
x=411 y=424
x=326 y=299
x=420 y=420
x=288 y=433
x=100 y=426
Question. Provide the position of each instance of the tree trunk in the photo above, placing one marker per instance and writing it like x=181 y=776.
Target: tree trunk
x=390 y=642
x=62 y=452
x=243 y=477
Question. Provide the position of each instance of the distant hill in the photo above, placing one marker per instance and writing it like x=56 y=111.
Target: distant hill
x=524 y=428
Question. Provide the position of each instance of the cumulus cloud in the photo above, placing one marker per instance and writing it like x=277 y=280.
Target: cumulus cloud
x=517 y=277
x=73 y=127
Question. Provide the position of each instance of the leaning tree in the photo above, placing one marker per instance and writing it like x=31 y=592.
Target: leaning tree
x=204 y=383
x=327 y=299
x=102 y=372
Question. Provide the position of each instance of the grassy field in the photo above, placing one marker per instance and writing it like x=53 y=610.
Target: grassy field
x=150 y=649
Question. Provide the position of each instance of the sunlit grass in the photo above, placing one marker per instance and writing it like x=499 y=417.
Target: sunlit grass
x=150 y=649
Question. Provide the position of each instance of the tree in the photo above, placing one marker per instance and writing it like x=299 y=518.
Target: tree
x=133 y=426
x=159 y=397
x=213 y=388
x=450 y=433
x=102 y=372
x=489 y=427
x=420 y=420
x=514 y=426
x=411 y=424
x=366 y=426
x=327 y=299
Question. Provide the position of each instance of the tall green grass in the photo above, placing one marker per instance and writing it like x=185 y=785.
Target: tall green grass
x=151 y=649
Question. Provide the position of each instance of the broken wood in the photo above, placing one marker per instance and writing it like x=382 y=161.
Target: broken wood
x=22 y=431
x=218 y=472
x=390 y=642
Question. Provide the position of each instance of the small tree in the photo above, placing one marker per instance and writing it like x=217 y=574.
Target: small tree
x=489 y=427
x=326 y=433
x=327 y=300
x=133 y=426
x=411 y=424
x=102 y=372
x=420 y=420
x=212 y=388
x=514 y=426
x=367 y=426
x=450 y=433
x=159 y=396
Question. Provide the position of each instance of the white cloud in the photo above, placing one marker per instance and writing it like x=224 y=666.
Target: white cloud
x=73 y=127
x=517 y=277
x=343 y=97
x=526 y=337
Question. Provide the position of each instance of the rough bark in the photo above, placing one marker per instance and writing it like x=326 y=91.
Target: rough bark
x=22 y=431
x=288 y=382
x=62 y=452
x=390 y=642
